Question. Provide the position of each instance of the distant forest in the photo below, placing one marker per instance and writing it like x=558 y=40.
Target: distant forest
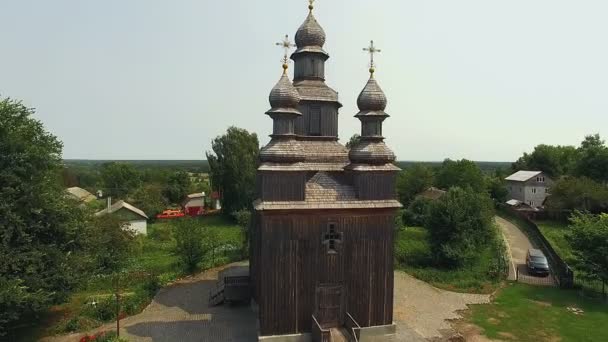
x=198 y=166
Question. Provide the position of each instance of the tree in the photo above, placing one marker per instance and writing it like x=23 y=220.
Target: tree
x=593 y=159
x=412 y=181
x=462 y=173
x=589 y=240
x=497 y=189
x=40 y=228
x=354 y=140
x=191 y=245
x=178 y=186
x=584 y=194
x=119 y=179
x=460 y=223
x=417 y=212
x=555 y=161
x=149 y=198
x=233 y=166
x=243 y=219
x=109 y=244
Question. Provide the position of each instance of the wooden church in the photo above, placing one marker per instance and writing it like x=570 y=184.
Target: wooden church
x=321 y=262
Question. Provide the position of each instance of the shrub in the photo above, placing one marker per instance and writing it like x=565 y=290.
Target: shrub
x=417 y=213
x=190 y=247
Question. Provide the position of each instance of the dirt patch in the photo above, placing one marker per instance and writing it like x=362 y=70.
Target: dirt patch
x=540 y=303
x=507 y=335
x=470 y=332
x=493 y=321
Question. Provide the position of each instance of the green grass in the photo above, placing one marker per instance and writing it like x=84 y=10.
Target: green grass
x=555 y=232
x=413 y=255
x=528 y=313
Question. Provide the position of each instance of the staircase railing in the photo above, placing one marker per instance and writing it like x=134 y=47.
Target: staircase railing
x=353 y=327
x=318 y=333
x=215 y=293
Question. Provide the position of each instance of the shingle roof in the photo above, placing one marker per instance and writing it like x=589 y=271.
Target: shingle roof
x=119 y=205
x=522 y=176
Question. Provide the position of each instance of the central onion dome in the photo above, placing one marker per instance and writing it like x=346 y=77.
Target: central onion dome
x=310 y=33
x=284 y=95
x=371 y=98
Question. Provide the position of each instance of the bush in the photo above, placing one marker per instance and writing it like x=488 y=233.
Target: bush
x=162 y=233
x=460 y=223
x=190 y=243
x=418 y=211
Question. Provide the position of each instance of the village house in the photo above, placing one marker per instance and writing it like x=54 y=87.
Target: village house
x=80 y=194
x=528 y=187
x=134 y=218
x=194 y=204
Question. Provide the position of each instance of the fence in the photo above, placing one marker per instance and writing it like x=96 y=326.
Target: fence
x=564 y=276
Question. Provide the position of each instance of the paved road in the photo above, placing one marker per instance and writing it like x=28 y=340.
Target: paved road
x=180 y=313
x=517 y=243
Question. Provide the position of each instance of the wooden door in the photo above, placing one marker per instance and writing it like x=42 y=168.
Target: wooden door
x=330 y=306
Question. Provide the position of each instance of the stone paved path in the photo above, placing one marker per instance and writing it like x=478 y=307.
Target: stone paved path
x=180 y=313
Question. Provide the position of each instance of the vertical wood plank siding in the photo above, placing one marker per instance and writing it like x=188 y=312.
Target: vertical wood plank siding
x=289 y=255
x=375 y=185
x=328 y=124
x=282 y=186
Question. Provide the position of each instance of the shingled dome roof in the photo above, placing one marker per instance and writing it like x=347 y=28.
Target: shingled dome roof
x=284 y=94
x=310 y=33
x=372 y=97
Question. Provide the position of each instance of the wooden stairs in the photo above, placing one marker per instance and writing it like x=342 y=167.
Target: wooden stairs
x=216 y=294
x=340 y=335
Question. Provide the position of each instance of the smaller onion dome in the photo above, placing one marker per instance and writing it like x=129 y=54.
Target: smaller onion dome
x=310 y=33
x=284 y=94
x=371 y=98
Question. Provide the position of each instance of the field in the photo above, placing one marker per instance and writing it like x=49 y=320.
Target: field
x=152 y=265
x=413 y=255
x=527 y=313
x=555 y=232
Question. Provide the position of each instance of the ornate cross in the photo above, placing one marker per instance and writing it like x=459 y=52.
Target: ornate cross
x=331 y=238
x=372 y=50
x=287 y=45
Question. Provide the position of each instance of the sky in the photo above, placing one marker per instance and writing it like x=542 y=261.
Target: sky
x=150 y=79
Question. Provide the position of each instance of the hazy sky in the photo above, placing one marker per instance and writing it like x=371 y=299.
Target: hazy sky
x=476 y=79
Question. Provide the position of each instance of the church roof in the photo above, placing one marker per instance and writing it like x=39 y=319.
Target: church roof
x=316 y=90
x=310 y=33
x=371 y=100
x=284 y=97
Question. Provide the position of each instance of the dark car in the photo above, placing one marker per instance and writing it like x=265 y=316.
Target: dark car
x=537 y=262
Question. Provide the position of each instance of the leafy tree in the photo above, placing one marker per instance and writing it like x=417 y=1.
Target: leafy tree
x=462 y=173
x=589 y=241
x=243 y=219
x=555 y=161
x=459 y=224
x=417 y=212
x=497 y=189
x=354 y=140
x=119 y=179
x=593 y=160
x=233 y=168
x=178 y=186
x=149 y=198
x=574 y=193
x=109 y=244
x=39 y=226
x=412 y=181
x=191 y=245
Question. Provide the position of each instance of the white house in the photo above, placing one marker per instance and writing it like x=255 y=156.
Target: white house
x=134 y=218
x=528 y=187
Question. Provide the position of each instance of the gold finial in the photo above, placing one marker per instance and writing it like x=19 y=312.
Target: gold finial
x=311 y=5
x=372 y=50
x=287 y=45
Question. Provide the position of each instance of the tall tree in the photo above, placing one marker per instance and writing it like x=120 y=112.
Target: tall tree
x=555 y=161
x=233 y=167
x=572 y=193
x=39 y=226
x=150 y=199
x=412 y=181
x=119 y=179
x=178 y=186
x=593 y=160
x=354 y=140
x=462 y=173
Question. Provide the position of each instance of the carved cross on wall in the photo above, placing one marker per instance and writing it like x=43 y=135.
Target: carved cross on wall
x=331 y=238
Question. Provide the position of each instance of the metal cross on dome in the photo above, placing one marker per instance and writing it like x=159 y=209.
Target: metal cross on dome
x=372 y=50
x=287 y=45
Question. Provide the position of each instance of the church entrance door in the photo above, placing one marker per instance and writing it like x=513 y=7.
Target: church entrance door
x=330 y=305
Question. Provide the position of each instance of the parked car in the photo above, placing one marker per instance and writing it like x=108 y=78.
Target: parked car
x=170 y=213
x=537 y=262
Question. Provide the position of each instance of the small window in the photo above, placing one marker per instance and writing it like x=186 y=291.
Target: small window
x=332 y=238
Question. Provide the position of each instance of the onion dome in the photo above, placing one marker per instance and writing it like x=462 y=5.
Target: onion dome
x=371 y=152
x=310 y=33
x=371 y=98
x=284 y=94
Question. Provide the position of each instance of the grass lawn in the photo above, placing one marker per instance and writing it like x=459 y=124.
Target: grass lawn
x=413 y=255
x=531 y=313
x=153 y=255
x=555 y=232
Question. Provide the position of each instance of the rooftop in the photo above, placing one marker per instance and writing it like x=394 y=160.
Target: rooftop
x=522 y=176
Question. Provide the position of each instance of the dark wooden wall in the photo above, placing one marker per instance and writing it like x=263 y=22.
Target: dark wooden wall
x=318 y=119
x=289 y=261
x=281 y=186
x=375 y=185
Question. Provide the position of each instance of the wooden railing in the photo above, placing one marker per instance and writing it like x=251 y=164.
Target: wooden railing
x=318 y=333
x=353 y=327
